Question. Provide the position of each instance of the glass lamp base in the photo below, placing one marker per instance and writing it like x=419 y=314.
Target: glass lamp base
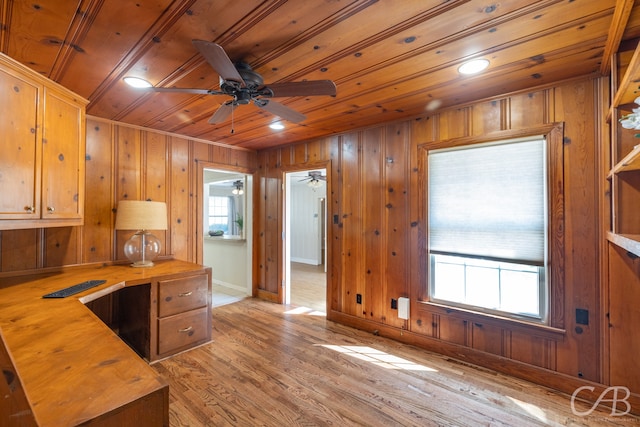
x=142 y=264
x=142 y=248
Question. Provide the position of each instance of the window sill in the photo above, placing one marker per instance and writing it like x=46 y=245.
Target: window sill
x=224 y=238
x=481 y=318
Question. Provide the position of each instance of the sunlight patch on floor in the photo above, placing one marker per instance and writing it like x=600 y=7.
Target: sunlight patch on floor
x=305 y=310
x=533 y=410
x=377 y=357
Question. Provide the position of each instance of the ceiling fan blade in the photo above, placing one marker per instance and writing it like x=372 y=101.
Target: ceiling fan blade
x=222 y=113
x=219 y=61
x=308 y=88
x=280 y=110
x=186 y=90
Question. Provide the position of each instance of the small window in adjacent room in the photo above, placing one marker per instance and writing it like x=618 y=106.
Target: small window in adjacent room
x=487 y=225
x=224 y=212
x=220 y=213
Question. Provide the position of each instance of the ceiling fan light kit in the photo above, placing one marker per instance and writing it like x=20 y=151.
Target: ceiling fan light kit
x=314 y=179
x=244 y=86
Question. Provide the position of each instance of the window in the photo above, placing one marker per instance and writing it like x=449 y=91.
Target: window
x=487 y=225
x=224 y=211
x=219 y=213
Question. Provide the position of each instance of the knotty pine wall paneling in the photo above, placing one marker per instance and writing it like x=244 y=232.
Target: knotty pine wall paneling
x=124 y=161
x=397 y=220
x=572 y=104
x=267 y=267
x=155 y=179
x=182 y=209
x=374 y=232
x=373 y=222
x=62 y=246
x=334 y=229
x=128 y=178
x=99 y=205
x=21 y=249
x=350 y=255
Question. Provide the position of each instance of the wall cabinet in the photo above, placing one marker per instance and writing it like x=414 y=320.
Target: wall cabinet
x=166 y=316
x=43 y=148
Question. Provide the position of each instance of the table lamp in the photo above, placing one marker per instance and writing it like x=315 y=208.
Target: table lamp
x=142 y=248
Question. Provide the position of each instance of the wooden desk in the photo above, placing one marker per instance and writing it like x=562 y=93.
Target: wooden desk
x=73 y=368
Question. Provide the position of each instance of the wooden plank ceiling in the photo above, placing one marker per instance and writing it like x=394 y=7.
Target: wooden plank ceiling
x=390 y=59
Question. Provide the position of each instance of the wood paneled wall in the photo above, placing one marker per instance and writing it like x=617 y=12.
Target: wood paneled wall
x=376 y=219
x=126 y=162
x=377 y=236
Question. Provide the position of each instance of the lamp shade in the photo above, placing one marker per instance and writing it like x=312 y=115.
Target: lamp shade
x=141 y=215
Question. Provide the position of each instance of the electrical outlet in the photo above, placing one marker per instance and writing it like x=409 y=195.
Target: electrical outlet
x=394 y=303
x=582 y=316
x=358 y=299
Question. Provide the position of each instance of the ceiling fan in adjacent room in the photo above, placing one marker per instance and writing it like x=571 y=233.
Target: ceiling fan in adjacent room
x=244 y=85
x=314 y=179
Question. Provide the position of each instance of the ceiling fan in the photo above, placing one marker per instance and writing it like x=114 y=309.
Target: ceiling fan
x=314 y=179
x=244 y=85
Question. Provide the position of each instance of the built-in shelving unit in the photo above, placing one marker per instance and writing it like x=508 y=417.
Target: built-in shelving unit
x=622 y=253
x=624 y=175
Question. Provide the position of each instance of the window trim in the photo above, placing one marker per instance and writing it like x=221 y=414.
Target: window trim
x=555 y=225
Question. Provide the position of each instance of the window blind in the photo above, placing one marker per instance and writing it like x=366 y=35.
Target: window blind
x=488 y=201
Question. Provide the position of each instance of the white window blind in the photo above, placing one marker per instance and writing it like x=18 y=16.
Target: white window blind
x=488 y=201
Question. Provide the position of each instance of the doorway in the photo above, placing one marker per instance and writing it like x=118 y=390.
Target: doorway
x=305 y=248
x=226 y=223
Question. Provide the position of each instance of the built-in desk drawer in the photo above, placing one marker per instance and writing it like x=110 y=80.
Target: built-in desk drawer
x=182 y=330
x=183 y=294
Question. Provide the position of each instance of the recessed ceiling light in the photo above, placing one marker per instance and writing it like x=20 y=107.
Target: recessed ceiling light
x=137 y=82
x=473 y=66
x=276 y=126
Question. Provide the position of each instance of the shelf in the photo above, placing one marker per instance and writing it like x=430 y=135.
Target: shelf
x=628 y=242
x=630 y=162
x=629 y=88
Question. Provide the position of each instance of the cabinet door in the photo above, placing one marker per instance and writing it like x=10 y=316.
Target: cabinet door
x=20 y=159
x=62 y=157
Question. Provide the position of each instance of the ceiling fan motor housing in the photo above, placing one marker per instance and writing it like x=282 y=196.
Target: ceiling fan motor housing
x=252 y=79
x=242 y=96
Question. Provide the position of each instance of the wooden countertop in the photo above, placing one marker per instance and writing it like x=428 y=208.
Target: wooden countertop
x=72 y=366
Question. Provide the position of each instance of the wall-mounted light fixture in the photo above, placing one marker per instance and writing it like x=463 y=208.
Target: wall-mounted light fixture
x=238 y=188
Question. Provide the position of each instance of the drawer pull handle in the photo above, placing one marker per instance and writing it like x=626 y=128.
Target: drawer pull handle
x=187 y=329
x=185 y=294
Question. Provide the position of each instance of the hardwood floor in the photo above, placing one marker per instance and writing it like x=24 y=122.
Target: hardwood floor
x=309 y=287
x=268 y=367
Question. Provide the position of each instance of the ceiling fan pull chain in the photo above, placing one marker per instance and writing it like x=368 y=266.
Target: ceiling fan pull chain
x=232 y=129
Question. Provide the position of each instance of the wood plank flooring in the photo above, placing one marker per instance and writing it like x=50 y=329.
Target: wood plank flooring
x=270 y=367
x=308 y=286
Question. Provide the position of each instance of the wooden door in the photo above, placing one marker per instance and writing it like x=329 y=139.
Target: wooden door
x=20 y=159
x=62 y=157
